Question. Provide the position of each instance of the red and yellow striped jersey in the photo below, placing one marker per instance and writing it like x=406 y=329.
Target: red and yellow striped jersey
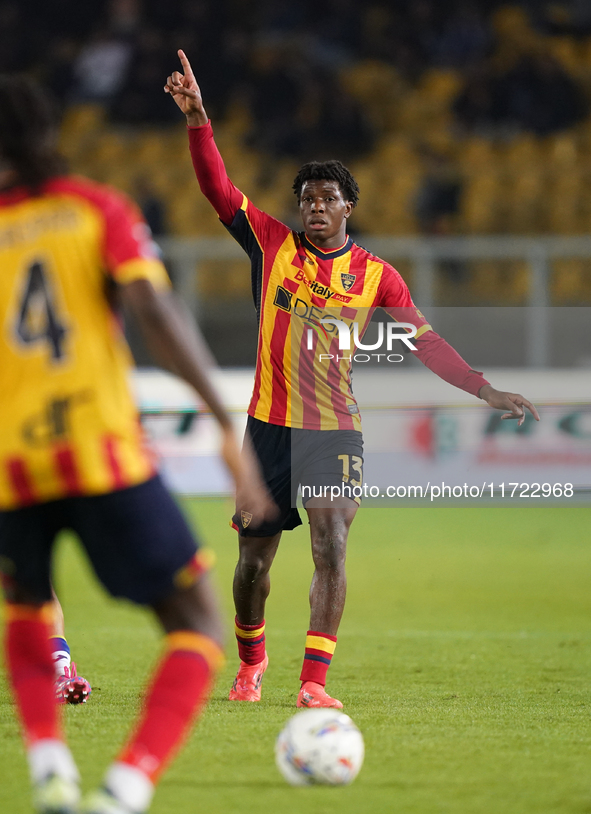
x=295 y=285
x=68 y=423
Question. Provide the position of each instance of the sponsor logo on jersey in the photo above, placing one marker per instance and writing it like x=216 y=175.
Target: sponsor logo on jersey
x=53 y=422
x=283 y=298
x=321 y=290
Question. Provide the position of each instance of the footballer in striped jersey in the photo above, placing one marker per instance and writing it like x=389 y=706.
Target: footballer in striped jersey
x=303 y=420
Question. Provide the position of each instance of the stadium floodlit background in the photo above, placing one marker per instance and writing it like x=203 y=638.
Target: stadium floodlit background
x=464 y=654
x=458 y=119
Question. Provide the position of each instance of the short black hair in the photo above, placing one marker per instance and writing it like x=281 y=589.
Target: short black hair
x=332 y=170
x=28 y=131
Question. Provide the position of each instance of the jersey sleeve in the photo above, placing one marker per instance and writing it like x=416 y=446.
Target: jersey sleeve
x=394 y=297
x=432 y=350
x=129 y=251
x=256 y=231
x=211 y=173
x=252 y=228
x=439 y=356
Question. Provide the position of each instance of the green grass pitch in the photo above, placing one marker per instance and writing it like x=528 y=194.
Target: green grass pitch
x=464 y=656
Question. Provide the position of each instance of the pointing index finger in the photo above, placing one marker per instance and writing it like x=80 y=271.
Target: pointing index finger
x=532 y=409
x=523 y=403
x=186 y=64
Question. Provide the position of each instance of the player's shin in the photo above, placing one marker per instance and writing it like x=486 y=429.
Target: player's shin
x=178 y=692
x=31 y=672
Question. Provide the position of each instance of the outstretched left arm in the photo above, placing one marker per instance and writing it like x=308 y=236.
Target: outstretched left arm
x=439 y=356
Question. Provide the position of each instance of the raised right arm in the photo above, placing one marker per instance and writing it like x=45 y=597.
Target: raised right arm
x=211 y=173
x=209 y=166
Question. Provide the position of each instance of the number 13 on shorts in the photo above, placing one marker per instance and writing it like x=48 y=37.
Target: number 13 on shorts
x=352 y=463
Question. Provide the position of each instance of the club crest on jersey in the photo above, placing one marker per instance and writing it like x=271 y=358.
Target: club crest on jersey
x=348 y=280
x=246 y=518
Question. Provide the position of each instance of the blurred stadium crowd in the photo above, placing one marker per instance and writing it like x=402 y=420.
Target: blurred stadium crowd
x=466 y=117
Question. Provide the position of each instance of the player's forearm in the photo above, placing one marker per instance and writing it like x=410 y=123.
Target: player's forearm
x=211 y=173
x=436 y=354
x=172 y=341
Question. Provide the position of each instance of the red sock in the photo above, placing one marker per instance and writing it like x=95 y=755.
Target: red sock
x=251 y=642
x=31 y=672
x=319 y=652
x=178 y=691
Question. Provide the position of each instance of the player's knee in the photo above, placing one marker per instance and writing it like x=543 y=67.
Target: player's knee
x=255 y=561
x=329 y=549
x=253 y=568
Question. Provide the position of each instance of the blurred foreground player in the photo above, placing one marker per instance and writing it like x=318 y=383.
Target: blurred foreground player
x=72 y=454
x=303 y=418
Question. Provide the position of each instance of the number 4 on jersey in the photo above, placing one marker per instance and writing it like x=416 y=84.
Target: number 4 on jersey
x=37 y=315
